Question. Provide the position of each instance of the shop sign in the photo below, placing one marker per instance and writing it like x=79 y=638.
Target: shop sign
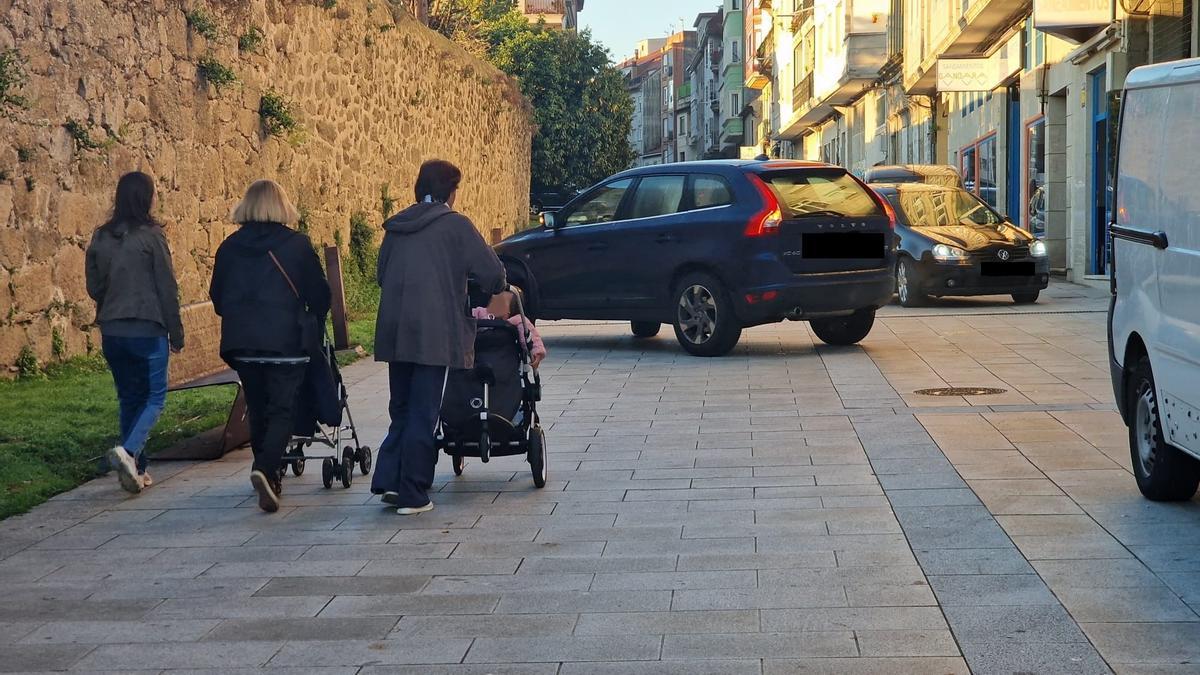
x=1073 y=19
x=980 y=74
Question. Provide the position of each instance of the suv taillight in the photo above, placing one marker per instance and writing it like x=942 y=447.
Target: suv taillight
x=767 y=221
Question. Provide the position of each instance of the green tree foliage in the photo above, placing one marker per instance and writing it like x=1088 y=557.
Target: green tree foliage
x=581 y=107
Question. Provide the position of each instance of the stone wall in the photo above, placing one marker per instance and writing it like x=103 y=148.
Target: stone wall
x=376 y=94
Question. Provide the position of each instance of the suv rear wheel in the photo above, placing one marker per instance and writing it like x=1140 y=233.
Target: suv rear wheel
x=844 y=330
x=705 y=324
x=1163 y=472
x=645 y=329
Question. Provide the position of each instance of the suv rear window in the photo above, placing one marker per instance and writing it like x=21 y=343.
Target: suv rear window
x=803 y=193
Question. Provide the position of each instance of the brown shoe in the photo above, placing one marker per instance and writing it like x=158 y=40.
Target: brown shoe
x=147 y=481
x=268 y=498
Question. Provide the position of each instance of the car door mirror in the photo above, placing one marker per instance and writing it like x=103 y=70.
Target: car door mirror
x=550 y=220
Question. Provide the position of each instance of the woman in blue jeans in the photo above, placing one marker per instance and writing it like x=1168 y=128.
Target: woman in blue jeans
x=129 y=275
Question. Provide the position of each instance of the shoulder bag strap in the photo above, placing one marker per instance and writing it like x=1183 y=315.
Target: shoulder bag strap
x=284 y=273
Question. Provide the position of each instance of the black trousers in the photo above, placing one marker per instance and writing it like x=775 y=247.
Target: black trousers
x=408 y=456
x=271 y=390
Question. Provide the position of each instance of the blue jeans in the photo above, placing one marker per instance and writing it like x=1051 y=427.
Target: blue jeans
x=139 y=370
x=407 y=457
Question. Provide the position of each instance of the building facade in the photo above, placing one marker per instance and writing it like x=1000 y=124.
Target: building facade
x=563 y=14
x=703 y=72
x=1022 y=98
x=731 y=92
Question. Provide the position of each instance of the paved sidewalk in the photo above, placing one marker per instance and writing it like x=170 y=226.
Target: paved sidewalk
x=792 y=508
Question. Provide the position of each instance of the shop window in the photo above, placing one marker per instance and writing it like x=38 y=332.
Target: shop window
x=980 y=167
x=1035 y=177
x=967 y=166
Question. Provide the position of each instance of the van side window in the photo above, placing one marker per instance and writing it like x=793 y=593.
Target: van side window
x=657 y=196
x=1140 y=156
x=602 y=206
x=1180 y=204
x=710 y=191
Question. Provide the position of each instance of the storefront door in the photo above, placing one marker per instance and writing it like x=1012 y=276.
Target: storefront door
x=1013 y=146
x=1101 y=192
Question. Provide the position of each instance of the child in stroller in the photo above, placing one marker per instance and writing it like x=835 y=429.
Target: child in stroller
x=491 y=410
x=506 y=306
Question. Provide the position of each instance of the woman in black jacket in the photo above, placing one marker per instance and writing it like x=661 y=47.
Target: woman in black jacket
x=130 y=277
x=267 y=284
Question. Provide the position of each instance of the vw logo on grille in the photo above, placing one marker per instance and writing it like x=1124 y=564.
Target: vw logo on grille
x=1003 y=255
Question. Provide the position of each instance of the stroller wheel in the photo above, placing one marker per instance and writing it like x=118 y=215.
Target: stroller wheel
x=365 y=460
x=347 y=472
x=458 y=463
x=298 y=467
x=537 y=456
x=327 y=471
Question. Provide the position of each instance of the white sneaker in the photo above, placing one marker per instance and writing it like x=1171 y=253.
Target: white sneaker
x=414 y=510
x=120 y=461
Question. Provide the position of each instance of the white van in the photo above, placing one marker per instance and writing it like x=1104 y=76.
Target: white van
x=1154 y=315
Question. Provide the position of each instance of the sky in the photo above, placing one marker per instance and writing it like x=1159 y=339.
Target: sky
x=620 y=24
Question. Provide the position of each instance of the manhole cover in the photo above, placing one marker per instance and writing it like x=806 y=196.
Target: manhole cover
x=960 y=391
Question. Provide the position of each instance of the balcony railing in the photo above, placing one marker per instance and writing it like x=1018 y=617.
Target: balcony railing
x=803 y=91
x=544 y=6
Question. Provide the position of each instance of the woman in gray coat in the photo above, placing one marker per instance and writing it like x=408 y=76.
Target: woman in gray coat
x=424 y=327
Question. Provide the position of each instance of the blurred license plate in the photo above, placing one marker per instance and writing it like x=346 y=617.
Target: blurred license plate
x=1009 y=269
x=844 y=245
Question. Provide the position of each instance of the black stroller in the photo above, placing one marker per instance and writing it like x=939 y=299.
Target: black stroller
x=491 y=410
x=323 y=418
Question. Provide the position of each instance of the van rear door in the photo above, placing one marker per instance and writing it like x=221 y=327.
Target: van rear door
x=831 y=222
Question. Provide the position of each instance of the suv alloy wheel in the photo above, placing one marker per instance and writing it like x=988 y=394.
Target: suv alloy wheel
x=705 y=324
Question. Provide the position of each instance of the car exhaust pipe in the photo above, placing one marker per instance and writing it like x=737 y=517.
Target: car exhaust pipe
x=795 y=314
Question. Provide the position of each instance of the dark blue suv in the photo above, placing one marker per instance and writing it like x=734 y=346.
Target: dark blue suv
x=712 y=248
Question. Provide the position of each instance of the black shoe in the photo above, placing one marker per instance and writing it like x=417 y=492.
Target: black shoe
x=268 y=498
x=391 y=498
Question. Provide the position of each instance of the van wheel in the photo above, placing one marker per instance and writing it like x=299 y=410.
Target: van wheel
x=908 y=284
x=645 y=329
x=705 y=324
x=844 y=330
x=1026 y=297
x=1164 y=473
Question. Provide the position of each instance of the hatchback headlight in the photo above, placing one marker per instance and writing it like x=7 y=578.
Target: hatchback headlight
x=946 y=253
x=1038 y=249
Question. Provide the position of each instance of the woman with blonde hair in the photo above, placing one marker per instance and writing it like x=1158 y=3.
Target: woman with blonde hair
x=267 y=286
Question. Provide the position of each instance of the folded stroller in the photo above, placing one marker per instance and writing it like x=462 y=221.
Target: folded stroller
x=323 y=418
x=491 y=410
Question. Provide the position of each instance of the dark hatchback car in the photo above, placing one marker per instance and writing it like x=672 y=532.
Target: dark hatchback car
x=934 y=174
x=951 y=243
x=712 y=248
